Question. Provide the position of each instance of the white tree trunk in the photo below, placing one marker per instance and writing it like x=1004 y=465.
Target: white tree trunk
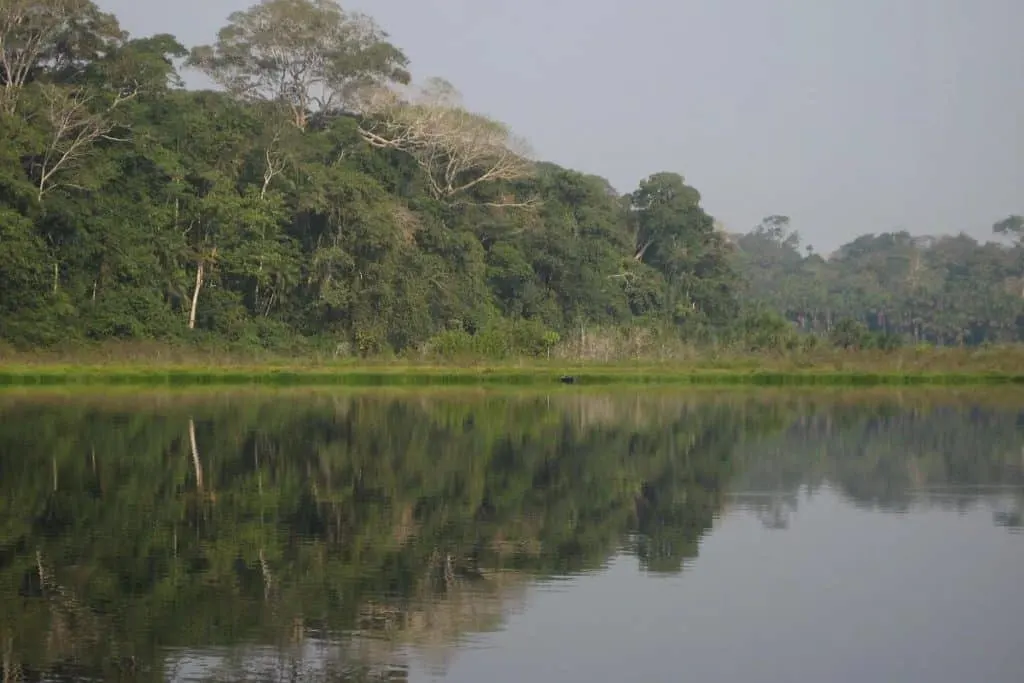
x=195 y=296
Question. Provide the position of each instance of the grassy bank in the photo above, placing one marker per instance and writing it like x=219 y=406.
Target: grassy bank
x=156 y=365
x=127 y=397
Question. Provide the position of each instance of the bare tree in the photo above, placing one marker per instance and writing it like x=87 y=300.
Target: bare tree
x=48 y=33
x=308 y=54
x=76 y=120
x=45 y=46
x=457 y=149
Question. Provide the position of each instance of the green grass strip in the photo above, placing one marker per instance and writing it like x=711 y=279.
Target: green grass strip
x=411 y=375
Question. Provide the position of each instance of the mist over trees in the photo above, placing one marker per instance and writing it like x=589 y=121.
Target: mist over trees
x=941 y=290
x=327 y=195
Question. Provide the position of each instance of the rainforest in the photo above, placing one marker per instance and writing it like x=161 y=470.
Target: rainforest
x=323 y=197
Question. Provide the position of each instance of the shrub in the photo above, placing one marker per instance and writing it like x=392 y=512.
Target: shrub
x=850 y=334
x=767 y=331
x=500 y=340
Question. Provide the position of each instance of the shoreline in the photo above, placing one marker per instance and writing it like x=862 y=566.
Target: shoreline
x=372 y=374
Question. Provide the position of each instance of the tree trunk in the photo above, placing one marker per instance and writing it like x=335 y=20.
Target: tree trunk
x=195 y=296
x=639 y=255
x=256 y=293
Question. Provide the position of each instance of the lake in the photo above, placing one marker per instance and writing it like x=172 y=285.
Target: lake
x=471 y=535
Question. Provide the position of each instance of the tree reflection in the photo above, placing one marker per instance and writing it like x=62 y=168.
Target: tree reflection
x=260 y=521
x=322 y=537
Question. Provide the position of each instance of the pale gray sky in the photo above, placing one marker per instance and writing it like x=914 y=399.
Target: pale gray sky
x=848 y=116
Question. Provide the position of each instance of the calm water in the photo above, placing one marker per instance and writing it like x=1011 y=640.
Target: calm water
x=473 y=537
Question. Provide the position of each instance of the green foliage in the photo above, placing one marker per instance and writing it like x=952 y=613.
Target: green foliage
x=768 y=331
x=263 y=216
x=260 y=216
x=500 y=340
x=677 y=238
x=886 y=341
x=945 y=290
x=850 y=334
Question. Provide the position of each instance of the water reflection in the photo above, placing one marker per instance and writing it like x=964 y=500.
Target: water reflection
x=367 y=536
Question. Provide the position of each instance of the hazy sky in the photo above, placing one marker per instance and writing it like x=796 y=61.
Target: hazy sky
x=848 y=116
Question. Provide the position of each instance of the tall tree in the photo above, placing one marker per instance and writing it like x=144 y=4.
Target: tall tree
x=457 y=149
x=310 y=55
x=676 y=237
x=50 y=40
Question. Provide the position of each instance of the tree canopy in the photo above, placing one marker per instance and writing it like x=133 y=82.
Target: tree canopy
x=941 y=290
x=323 y=196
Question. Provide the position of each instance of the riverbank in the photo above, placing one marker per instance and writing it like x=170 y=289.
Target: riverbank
x=133 y=365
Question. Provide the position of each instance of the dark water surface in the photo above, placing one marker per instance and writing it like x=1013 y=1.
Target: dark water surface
x=489 y=537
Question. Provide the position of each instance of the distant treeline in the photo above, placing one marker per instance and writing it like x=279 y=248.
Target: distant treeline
x=940 y=290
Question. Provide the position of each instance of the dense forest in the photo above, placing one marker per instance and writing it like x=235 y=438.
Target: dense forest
x=940 y=290
x=140 y=529
x=321 y=196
